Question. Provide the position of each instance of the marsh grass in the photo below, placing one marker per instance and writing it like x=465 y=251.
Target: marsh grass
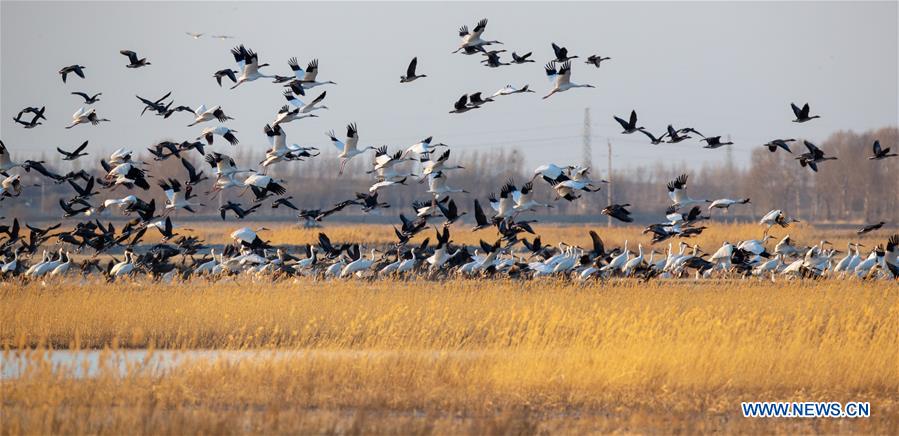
x=462 y=356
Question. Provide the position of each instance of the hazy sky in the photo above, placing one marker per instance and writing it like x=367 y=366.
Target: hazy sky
x=723 y=68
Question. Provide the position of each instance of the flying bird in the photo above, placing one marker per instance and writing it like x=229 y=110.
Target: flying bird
x=77 y=69
x=802 y=114
x=133 y=61
x=410 y=72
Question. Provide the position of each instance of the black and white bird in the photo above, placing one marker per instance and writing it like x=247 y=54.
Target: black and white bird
x=509 y=90
x=202 y=114
x=802 y=114
x=348 y=149
x=210 y=132
x=248 y=63
x=82 y=116
x=880 y=153
x=73 y=154
x=307 y=78
x=561 y=78
x=133 y=61
x=89 y=99
x=410 y=72
x=677 y=192
x=77 y=69
x=472 y=41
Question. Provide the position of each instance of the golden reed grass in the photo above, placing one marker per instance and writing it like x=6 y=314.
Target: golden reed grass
x=463 y=356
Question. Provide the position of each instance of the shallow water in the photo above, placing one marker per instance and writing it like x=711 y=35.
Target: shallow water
x=89 y=363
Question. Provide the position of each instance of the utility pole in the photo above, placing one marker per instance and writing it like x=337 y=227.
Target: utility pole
x=587 y=141
x=587 y=151
x=609 y=178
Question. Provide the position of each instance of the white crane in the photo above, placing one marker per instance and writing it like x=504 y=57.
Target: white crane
x=177 y=197
x=562 y=78
x=210 y=132
x=202 y=114
x=438 y=187
x=358 y=265
x=509 y=90
x=306 y=78
x=677 y=192
x=305 y=108
x=348 y=149
x=248 y=64
x=82 y=116
x=472 y=39
x=6 y=163
x=422 y=147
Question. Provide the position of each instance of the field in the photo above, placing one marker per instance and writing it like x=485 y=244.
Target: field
x=463 y=356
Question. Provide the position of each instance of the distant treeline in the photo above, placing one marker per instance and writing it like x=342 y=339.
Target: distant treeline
x=850 y=189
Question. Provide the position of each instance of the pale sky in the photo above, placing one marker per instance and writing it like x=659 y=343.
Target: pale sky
x=721 y=67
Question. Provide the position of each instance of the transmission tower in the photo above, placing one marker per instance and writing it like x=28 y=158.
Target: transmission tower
x=588 y=147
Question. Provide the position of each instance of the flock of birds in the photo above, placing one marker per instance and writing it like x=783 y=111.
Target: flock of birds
x=512 y=254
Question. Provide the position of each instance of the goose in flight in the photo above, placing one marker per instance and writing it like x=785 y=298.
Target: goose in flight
x=802 y=114
x=473 y=40
x=133 y=61
x=509 y=90
x=713 y=142
x=83 y=117
x=629 y=126
x=154 y=106
x=493 y=60
x=675 y=136
x=77 y=69
x=562 y=78
x=881 y=153
x=89 y=99
x=870 y=228
x=73 y=154
x=561 y=54
x=410 y=72
x=596 y=60
x=521 y=59
x=461 y=105
x=348 y=149
x=619 y=212
x=814 y=156
x=248 y=63
x=652 y=138
x=227 y=72
x=475 y=100
x=194 y=35
x=774 y=144
x=202 y=115
x=210 y=132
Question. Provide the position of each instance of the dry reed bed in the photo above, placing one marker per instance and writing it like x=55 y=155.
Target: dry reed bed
x=460 y=356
